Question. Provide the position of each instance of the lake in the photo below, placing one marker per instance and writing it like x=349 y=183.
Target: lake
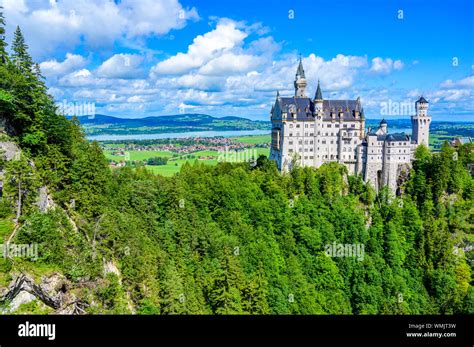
x=233 y=133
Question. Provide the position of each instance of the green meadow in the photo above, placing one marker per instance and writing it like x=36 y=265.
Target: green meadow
x=174 y=164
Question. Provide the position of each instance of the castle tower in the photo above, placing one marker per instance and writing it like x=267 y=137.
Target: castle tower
x=420 y=123
x=318 y=99
x=300 y=81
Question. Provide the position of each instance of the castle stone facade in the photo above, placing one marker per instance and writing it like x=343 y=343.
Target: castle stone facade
x=313 y=131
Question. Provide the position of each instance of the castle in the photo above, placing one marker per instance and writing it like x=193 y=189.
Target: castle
x=311 y=132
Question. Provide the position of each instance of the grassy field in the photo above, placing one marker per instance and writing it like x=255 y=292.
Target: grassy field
x=174 y=164
x=171 y=168
x=139 y=155
x=254 y=139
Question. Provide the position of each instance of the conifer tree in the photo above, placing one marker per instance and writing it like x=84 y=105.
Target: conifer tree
x=20 y=56
x=3 y=44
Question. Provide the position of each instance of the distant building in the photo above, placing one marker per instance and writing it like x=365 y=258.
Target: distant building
x=313 y=131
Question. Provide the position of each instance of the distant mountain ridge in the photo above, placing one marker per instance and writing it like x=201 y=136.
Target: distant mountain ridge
x=188 y=118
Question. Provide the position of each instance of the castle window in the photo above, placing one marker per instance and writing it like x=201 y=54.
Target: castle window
x=323 y=142
x=311 y=134
x=337 y=125
x=311 y=125
x=291 y=134
x=353 y=126
x=290 y=151
x=332 y=142
x=345 y=125
x=297 y=125
x=349 y=156
x=290 y=142
x=329 y=125
x=306 y=125
x=311 y=157
x=291 y=125
x=311 y=142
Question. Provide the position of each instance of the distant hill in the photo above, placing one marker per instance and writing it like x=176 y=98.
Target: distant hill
x=177 y=119
x=102 y=124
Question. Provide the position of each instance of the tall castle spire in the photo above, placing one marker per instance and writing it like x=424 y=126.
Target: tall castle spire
x=318 y=99
x=300 y=81
x=300 y=71
x=319 y=94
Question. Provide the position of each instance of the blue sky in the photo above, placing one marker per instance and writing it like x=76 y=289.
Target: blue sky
x=136 y=58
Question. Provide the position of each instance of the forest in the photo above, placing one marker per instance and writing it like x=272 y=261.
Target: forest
x=233 y=238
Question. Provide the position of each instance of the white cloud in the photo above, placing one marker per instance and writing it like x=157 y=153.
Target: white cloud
x=385 y=66
x=51 y=68
x=204 y=47
x=121 y=66
x=264 y=46
x=467 y=82
x=98 y=23
x=230 y=63
x=398 y=65
x=79 y=78
x=450 y=94
x=152 y=17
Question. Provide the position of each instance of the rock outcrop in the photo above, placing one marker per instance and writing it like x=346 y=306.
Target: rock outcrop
x=53 y=291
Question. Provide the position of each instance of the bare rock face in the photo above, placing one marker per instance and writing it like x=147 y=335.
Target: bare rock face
x=52 y=291
x=45 y=201
x=10 y=150
x=23 y=297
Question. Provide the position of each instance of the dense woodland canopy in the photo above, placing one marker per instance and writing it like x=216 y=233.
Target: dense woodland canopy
x=233 y=238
